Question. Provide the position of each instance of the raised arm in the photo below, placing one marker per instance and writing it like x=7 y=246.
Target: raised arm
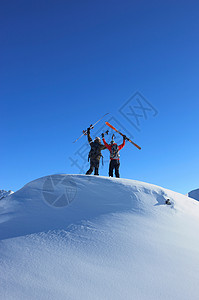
x=89 y=135
x=106 y=145
x=122 y=145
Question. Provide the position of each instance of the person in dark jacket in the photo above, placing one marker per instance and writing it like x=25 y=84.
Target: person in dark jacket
x=95 y=153
x=114 y=156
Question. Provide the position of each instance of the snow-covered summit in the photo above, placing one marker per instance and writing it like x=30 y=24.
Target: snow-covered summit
x=4 y=193
x=88 y=237
x=194 y=194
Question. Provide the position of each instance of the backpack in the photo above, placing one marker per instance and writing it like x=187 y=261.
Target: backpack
x=95 y=151
x=114 y=154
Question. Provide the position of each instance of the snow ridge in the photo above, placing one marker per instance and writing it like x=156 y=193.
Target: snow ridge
x=90 y=237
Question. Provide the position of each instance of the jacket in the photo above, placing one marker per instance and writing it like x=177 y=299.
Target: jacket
x=109 y=147
x=96 y=148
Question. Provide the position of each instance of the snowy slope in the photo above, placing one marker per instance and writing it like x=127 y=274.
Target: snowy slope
x=86 y=237
x=194 y=194
x=4 y=194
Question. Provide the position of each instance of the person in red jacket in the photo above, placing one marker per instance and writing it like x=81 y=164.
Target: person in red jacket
x=114 y=156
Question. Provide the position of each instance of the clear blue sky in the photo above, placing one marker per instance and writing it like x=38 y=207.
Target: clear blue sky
x=66 y=63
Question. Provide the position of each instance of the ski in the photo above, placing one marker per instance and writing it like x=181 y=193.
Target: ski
x=91 y=127
x=111 y=126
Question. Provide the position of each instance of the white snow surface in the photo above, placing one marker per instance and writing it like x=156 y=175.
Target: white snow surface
x=82 y=237
x=194 y=194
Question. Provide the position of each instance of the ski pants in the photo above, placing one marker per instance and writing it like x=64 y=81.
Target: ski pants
x=94 y=164
x=114 y=164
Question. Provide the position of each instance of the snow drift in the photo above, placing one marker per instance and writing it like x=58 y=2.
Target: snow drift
x=86 y=237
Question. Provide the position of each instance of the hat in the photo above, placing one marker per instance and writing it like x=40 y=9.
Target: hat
x=97 y=139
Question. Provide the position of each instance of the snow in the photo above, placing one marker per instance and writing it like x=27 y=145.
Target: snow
x=91 y=237
x=194 y=194
x=4 y=194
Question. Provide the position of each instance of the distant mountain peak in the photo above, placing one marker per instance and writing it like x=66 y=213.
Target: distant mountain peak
x=194 y=194
x=4 y=193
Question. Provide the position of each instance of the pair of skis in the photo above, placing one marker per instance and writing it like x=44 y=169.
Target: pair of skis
x=91 y=127
x=112 y=127
x=126 y=138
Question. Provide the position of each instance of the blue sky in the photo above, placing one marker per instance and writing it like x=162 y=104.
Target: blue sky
x=66 y=63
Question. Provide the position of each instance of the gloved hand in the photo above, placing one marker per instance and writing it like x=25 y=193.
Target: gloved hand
x=102 y=135
x=124 y=137
x=88 y=130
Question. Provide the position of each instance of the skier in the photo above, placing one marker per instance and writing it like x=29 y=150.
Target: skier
x=114 y=155
x=95 y=153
